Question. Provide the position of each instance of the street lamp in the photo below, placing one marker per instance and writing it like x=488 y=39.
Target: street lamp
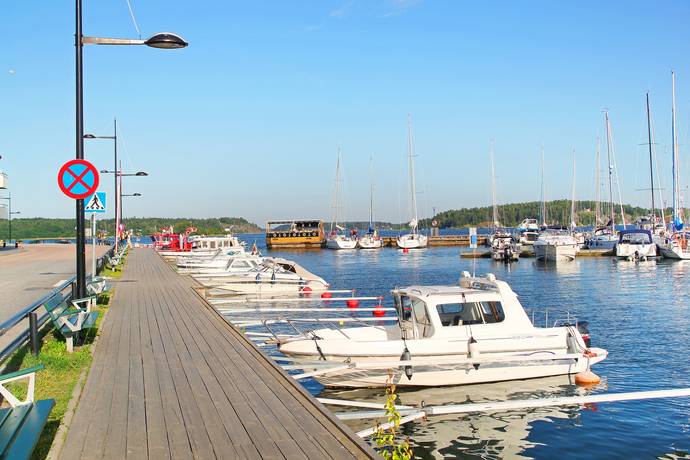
x=10 y=213
x=160 y=40
x=118 y=193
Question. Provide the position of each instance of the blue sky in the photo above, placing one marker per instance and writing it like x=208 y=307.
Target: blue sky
x=247 y=120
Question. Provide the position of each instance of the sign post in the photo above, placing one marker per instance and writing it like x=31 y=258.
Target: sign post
x=473 y=237
x=95 y=204
x=78 y=179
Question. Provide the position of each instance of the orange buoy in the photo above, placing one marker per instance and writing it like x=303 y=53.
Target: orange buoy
x=353 y=303
x=378 y=311
x=587 y=378
x=405 y=250
x=326 y=295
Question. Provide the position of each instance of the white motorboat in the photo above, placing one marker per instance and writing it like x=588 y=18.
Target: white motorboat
x=602 y=238
x=528 y=238
x=337 y=236
x=474 y=332
x=528 y=225
x=237 y=264
x=207 y=246
x=504 y=247
x=414 y=239
x=273 y=276
x=555 y=246
x=635 y=245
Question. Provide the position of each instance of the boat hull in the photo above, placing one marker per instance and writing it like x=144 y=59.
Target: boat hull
x=341 y=243
x=635 y=251
x=555 y=253
x=412 y=241
x=370 y=243
x=675 y=253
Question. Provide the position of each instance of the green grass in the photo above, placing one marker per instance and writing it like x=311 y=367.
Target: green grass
x=62 y=369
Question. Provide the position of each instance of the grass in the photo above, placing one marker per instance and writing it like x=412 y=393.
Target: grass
x=62 y=369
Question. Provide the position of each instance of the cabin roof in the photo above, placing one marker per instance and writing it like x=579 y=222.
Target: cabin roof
x=428 y=291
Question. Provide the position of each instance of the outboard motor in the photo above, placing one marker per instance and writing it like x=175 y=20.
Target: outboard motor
x=583 y=329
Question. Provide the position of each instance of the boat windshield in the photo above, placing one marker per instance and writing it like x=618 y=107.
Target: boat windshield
x=458 y=314
x=415 y=309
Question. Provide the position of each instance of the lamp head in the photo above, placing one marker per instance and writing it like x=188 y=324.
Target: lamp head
x=141 y=173
x=166 y=40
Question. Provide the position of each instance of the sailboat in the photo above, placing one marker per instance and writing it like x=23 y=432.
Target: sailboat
x=605 y=237
x=371 y=240
x=676 y=245
x=414 y=239
x=337 y=238
x=503 y=245
x=553 y=245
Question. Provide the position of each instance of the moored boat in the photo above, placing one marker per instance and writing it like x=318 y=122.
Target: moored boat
x=555 y=246
x=474 y=332
x=414 y=239
x=636 y=244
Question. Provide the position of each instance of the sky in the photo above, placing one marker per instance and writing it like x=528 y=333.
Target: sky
x=247 y=120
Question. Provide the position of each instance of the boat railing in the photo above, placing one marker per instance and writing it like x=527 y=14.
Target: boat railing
x=552 y=317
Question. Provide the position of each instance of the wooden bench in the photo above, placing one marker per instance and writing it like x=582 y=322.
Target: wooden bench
x=22 y=423
x=71 y=318
x=97 y=285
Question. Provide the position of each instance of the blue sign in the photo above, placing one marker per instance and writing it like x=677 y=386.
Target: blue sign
x=95 y=203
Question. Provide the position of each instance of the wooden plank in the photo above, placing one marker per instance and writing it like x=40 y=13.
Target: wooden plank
x=136 y=434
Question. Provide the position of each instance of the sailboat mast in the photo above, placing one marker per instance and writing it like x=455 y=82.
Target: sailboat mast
x=572 y=197
x=608 y=155
x=336 y=202
x=674 y=147
x=542 y=217
x=651 y=162
x=371 y=194
x=411 y=164
x=493 y=187
x=597 y=188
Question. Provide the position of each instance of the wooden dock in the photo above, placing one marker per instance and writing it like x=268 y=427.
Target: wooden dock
x=441 y=240
x=172 y=379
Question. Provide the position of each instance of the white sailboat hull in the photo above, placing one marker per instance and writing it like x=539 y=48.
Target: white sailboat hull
x=412 y=241
x=674 y=252
x=341 y=242
x=370 y=242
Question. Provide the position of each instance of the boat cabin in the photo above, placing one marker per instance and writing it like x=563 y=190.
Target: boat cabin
x=295 y=233
x=242 y=264
x=636 y=236
x=482 y=305
x=210 y=243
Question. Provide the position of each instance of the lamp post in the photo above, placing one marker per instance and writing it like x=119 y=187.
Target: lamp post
x=10 y=213
x=114 y=139
x=118 y=190
x=160 y=40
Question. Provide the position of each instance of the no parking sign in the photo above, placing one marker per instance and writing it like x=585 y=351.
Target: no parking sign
x=78 y=179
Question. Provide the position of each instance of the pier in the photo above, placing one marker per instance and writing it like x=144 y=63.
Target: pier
x=171 y=378
x=441 y=240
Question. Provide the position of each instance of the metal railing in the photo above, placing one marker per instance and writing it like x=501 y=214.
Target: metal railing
x=35 y=322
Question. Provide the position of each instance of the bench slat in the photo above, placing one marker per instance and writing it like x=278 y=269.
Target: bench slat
x=25 y=440
x=25 y=371
x=12 y=424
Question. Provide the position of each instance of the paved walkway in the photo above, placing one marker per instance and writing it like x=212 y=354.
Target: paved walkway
x=172 y=379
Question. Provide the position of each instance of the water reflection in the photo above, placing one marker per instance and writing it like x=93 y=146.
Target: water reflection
x=476 y=435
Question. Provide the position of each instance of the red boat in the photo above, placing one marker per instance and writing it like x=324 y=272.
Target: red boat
x=169 y=241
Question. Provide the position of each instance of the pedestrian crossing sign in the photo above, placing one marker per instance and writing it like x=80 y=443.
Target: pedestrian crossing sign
x=95 y=203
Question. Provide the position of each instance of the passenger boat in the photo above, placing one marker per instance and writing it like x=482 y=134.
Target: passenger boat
x=474 y=332
x=504 y=248
x=414 y=239
x=295 y=234
x=635 y=245
x=201 y=245
x=273 y=276
x=555 y=246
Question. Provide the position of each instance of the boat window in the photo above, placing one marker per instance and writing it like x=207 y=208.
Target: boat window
x=240 y=264
x=492 y=312
x=406 y=307
x=450 y=314
x=422 y=318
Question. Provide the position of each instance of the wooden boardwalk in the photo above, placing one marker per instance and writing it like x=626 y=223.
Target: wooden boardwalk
x=172 y=379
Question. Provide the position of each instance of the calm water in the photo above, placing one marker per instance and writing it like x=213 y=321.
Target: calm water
x=639 y=312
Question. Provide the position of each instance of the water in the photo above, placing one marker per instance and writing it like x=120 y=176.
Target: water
x=638 y=312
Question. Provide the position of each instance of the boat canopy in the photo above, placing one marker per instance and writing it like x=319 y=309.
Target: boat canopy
x=636 y=236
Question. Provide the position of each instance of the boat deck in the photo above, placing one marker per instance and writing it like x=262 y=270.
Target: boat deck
x=172 y=379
